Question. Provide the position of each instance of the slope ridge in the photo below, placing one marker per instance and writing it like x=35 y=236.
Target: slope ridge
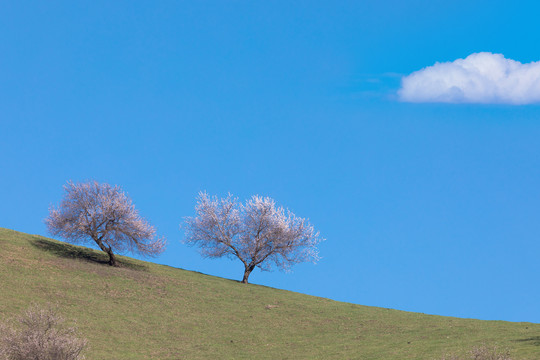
x=144 y=310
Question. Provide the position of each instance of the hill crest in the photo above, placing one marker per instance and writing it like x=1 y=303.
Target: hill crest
x=144 y=310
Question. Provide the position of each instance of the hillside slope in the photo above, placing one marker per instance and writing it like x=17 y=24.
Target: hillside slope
x=148 y=311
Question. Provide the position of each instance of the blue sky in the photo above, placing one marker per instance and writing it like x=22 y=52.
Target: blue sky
x=428 y=207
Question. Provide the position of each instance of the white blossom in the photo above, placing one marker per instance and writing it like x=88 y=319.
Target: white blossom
x=259 y=233
x=105 y=214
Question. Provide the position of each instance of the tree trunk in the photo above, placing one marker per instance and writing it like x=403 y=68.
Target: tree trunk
x=248 y=271
x=108 y=250
x=112 y=258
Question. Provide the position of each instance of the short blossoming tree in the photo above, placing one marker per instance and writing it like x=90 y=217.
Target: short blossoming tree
x=104 y=214
x=40 y=334
x=259 y=233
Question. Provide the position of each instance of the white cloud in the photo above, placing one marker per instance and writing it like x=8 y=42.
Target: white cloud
x=479 y=78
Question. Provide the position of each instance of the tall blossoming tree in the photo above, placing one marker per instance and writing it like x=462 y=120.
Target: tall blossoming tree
x=259 y=233
x=104 y=214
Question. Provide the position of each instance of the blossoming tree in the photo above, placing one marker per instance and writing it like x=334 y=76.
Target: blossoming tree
x=104 y=214
x=259 y=233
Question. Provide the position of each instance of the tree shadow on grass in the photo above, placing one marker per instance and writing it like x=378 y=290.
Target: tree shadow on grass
x=533 y=340
x=81 y=253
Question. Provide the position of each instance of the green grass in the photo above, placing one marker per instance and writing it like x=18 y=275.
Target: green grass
x=148 y=311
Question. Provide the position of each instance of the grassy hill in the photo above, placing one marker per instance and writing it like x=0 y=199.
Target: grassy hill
x=148 y=311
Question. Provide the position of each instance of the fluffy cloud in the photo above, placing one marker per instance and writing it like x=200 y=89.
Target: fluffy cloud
x=479 y=78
